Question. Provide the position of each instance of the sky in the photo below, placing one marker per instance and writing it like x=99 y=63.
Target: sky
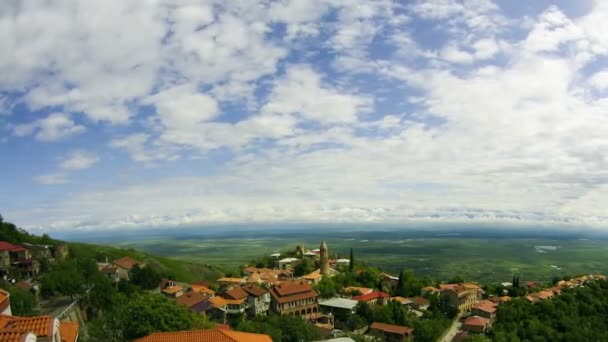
x=157 y=113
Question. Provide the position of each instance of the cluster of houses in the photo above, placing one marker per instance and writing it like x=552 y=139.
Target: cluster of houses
x=25 y=258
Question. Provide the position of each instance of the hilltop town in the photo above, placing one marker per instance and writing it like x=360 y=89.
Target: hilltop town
x=52 y=292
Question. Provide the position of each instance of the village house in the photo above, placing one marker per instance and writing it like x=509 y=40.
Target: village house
x=60 y=252
x=124 y=266
x=223 y=335
x=340 y=308
x=388 y=281
x=461 y=296
x=258 y=300
x=420 y=303
x=288 y=263
x=354 y=290
x=313 y=278
x=486 y=309
x=539 y=296
x=170 y=289
x=17 y=257
x=194 y=301
x=374 y=298
x=476 y=324
x=227 y=283
x=390 y=332
x=429 y=290
x=402 y=300
x=40 y=251
x=294 y=298
x=201 y=288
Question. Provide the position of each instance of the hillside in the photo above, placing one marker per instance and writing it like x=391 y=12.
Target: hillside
x=177 y=270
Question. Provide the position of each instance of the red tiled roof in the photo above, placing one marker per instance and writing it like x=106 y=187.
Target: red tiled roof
x=420 y=300
x=444 y=287
x=292 y=287
x=236 y=293
x=13 y=335
x=476 y=321
x=486 y=306
x=7 y=246
x=213 y=335
x=24 y=285
x=39 y=325
x=127 y=262
x=172 y=289
x=190 y=299
x=290 y=291
x=255 y=291
x=68 y=331
x=202 y=289
x=391 y=328
x=371 y=296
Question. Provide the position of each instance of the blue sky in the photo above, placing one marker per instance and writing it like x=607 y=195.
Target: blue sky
x=120 y=115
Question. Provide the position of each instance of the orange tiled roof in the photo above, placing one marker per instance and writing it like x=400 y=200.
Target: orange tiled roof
x=190 y=299
x=127 y=262
x=476 y=321
x=362 y=290
x=370 y=296
x=430 y=289
x=288 y=288
x=213 y=335
x=312 y=276
x=68 y=331
x=202 y=289
x=236 y=293
x=218 y=302
x=255 y=291
x=290 y=291
x=172 y=289
x=231 y=280
x=12 y=335
x=420 y=300
x=39 y=325
x=444 y=287
x=391 y=328
x=486 y=306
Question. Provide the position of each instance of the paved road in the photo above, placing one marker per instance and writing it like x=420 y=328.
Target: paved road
x=452 y=331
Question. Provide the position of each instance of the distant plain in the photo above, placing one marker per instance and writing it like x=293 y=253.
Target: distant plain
x=479 y=254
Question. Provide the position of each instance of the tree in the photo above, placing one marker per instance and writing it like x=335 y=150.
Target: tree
x=364 y=311
x=457 y=279
x=147 y=278
x=66 y=278
x=351 y=265
x=326 y=288
x=305 y=266
x=103 y=293
x=144 y=314
x=23 y=302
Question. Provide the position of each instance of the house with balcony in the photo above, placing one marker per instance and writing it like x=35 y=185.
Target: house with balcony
x=296 y=298
x=17 y=257
x=258 y=300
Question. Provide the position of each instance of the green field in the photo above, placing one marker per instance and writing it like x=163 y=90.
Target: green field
x=442 y=256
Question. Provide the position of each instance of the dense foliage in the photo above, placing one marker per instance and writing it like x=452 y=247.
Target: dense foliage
x=281 y=328
x=575 y=315
x=141 y=314
x=11 y=233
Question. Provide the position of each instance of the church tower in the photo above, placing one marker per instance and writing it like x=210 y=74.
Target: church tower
x=324 y=256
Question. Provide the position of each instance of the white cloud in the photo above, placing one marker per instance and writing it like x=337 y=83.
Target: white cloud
x=302 y=92
x=599 y=80
x=52 y=179
x=79 y=160
x=54 y=127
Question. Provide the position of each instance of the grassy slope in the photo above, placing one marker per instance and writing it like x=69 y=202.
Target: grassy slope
x=179 y=270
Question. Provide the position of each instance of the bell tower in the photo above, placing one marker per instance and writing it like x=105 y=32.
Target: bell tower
x=324 y=256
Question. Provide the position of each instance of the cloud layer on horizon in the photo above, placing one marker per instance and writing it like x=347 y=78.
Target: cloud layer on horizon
x=159 y=113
